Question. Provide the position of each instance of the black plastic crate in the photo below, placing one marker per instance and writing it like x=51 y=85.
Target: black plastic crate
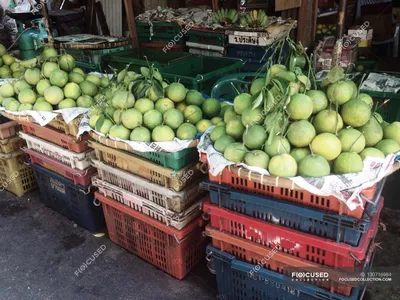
x=68 y=199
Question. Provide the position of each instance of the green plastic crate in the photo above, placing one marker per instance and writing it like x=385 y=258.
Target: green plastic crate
x=86 y=67
x=175 y=160
x=201 y=72
x=94 y=57
x=208 y=37
x=137 y=59
x=169 y=28
x=161 y=39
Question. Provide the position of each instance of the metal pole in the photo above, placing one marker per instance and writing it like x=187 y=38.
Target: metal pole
x=341 y=19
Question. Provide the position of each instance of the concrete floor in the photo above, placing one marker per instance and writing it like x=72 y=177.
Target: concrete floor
x=40 y=251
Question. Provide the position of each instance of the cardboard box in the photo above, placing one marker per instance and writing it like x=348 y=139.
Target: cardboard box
x=364 y=32
x=286 y=4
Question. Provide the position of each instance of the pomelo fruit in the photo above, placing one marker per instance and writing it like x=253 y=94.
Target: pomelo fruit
x=282 y=165
x=3 y=50
x=235 y=152
x=355 y=89
x=355 y=113
x=186 y=131
x=109 y=111
x=72 y=90
x=21 y=85
x=217 y=132
x=90 y=89
x=8 y=100
x=18 y=74
x=8 y=60
x=162 y=133
x=348 y=162
x=229 y=114
x=5 y=72
x=326 y=145
x=131 y=118
x=176 y=92
x=66 y=62
x=75 y=77
x=301 y=133
x=327 y=121
x=371 y=152
x=257 y=85
x=93 y=119
x=388 y=146
x=173 y=118
x=352 y=140
x=42 y=106
x=224 y=108
x=152 y=119
x=278 y=121
x=25 y=106
x=300 y=107
x=299 y=153
x=48 y=53
x=235 y=128
x=78 y=70
x=48 y=68
x=66 y=103
x=32 y=76
x=144 y=105
x=117 y=116
x=140 y=134
x=85 y=101
x=203 y=125
x=104 y=82
x=164 y=104
x=314 y=166
x=119 y=131
x=257 y=158
x=59 y=78
x=366 y=98
x=372 y=132
x=254 y=137
x=42 y=85
x=279 y=145
x=211 y=107
x=181 y=106
x=7 y=90
x=93 y=78
x=340 y=92
x=12 y=105
x=252 y=117
x=378 y=117
x=53 y=95
x=17 y=67
x=121 y=99
x=193 y=114
x=194 y=97
x=103 y=125
x=216 y=120
x=27 y=96
x=152 y=95
x=222 y=142
x=392 y=131
x=319 y=99
x=241 y=102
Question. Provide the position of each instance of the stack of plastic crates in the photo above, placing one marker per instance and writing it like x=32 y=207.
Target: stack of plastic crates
x=61 y=163
x=266 y=236
x=152 y=204
x=15 y=174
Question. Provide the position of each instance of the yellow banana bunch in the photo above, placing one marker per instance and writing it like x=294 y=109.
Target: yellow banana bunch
x=225 y=16
x=254 y=19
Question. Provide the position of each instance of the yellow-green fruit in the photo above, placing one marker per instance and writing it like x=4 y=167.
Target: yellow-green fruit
x=278 y=145
x=326 y=145
x=27 y=96
x=348 y=163
x=300 y=107
x=42 y=85
x=282 y=165
x=7 y=90
x=8 y=60
x=72 y=90
x=53 y=95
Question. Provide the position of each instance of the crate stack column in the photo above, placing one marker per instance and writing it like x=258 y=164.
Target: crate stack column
x=152 y=204
x=61 y=163
x=264 y=228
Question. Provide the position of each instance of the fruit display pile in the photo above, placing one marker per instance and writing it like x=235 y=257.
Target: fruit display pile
x=50 y=82
x=142 y=107
x=289 y=129
x=252 y=19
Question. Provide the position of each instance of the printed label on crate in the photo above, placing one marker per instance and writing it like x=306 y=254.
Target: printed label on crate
x=57 y=185
x=249 y=40
x=345 y=187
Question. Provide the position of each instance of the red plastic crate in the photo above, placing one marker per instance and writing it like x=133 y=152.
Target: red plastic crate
x=315 y=249
x=229 y=176
x=77 y=145
x=278 y=261
x=174 y=251
x=82 y=177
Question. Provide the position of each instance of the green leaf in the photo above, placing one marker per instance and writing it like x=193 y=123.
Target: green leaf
x=268 y=77
x=158 y=89
x=292 y=62
x=157 y=75
x=258 y=98
x=100 y=122
x=145 y=71
x=270 y=101
x=305 y=81
x=335 y=74
x=143 y=91
x=135 y=85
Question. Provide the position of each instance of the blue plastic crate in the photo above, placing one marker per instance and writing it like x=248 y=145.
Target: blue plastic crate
x=309 y=220
x=235 y=282
x=68 y=199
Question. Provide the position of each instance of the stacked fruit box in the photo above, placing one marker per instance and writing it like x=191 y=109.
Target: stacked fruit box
x=207 y=42
x=15 y=175
x=152 y=204
x=61 y=163
x=265 y=229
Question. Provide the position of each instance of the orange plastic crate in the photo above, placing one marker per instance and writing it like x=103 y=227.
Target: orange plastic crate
x=229 y=176
x=77 y=145
x=174 y=251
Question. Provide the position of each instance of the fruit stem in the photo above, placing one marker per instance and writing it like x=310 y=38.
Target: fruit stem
x=351 y=148
x=236 y=90
x=312 y=153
